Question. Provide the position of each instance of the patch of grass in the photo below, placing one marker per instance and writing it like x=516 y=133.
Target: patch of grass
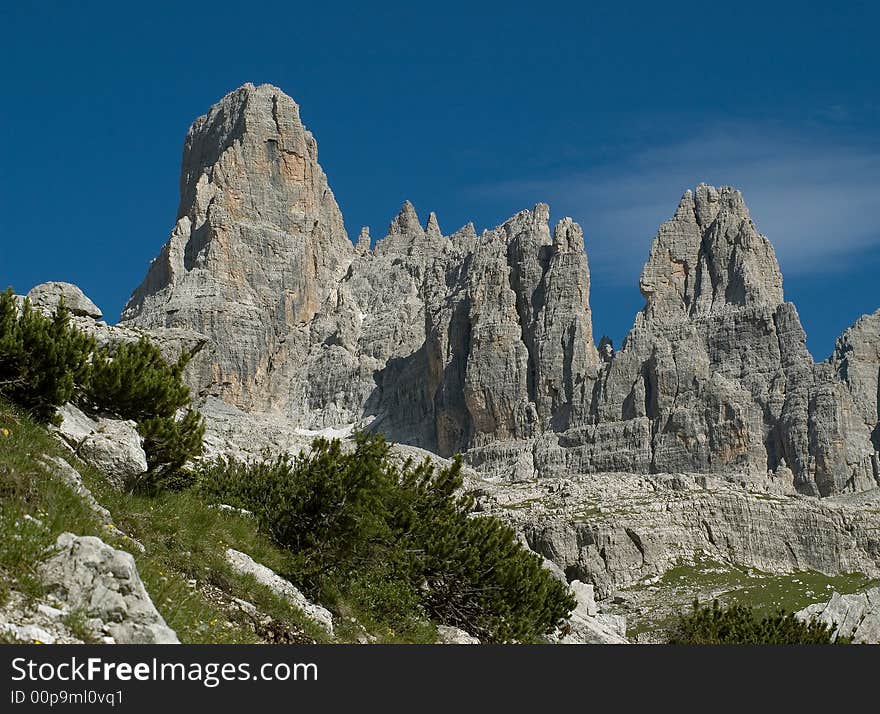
x=77 y=623
x=185 y=539
x=764 y=593
x=795 y=591
x=588 y=512
x=34 y=506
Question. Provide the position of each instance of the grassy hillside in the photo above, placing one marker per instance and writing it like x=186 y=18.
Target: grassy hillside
x=183 y=568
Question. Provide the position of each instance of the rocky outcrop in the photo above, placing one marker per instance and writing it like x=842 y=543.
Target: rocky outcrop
x=243 y=564
x=483 y=344
x=855 y=617
x=85 y=317
x=46 y=297
x=510 y=346
x=856 y=362
x=113 y=446
x=258 y=245
x=614 y=530
x=90 y=577
x=302 y=322
x=715 y=375
x=587 y=626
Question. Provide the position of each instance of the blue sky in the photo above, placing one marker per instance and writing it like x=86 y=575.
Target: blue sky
x=607 y=111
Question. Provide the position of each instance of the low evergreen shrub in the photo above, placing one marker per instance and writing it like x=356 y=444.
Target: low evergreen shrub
x=43 y=360
x=135 y=382
x=396 y=537
x=45 y=363
x=743 y=625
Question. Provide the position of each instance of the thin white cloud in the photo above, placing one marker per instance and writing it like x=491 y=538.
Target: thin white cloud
x=818 y=202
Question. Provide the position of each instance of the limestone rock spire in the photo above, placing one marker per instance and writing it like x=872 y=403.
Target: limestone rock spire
x=259 y=239
x=708 y=256
x=432 y=229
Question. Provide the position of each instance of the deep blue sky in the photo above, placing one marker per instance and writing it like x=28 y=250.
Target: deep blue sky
x=608 y=111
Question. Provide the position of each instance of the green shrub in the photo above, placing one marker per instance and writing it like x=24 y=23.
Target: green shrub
x=45 y=363
x=327 y=507
x=742 y=625
x=43 y=360
x=135 y=382
x=395 y=537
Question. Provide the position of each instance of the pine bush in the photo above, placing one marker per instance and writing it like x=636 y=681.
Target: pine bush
x=43 y=360
x=398 y=537
x=135 y=382
x=45 y=363
x=742 y=625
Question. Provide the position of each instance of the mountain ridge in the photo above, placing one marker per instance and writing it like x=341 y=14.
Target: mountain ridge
x=483 y=344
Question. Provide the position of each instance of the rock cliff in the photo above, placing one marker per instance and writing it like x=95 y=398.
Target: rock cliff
x=258 y=244
x=483 y=344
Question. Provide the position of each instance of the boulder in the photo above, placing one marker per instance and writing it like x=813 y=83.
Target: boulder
x=587 y=626
x=586 y=600
x=113 y=446
x=245 y=565
x=116 y=449
x=89 y=576
x=855 y=616
x=46 y=296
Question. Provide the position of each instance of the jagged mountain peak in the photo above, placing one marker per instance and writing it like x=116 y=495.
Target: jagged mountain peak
x=708 y=257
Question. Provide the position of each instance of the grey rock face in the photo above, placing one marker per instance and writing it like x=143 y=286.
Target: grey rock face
x=112 y=446
x=510 y=345
x=856 y=361
x=88 y=575
x=46 y=297
x=856 y=617
x=244 y=564
x=613 y=530
x=483 y=344
x=258 y=245
x=717 y=364
x=301 y=321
